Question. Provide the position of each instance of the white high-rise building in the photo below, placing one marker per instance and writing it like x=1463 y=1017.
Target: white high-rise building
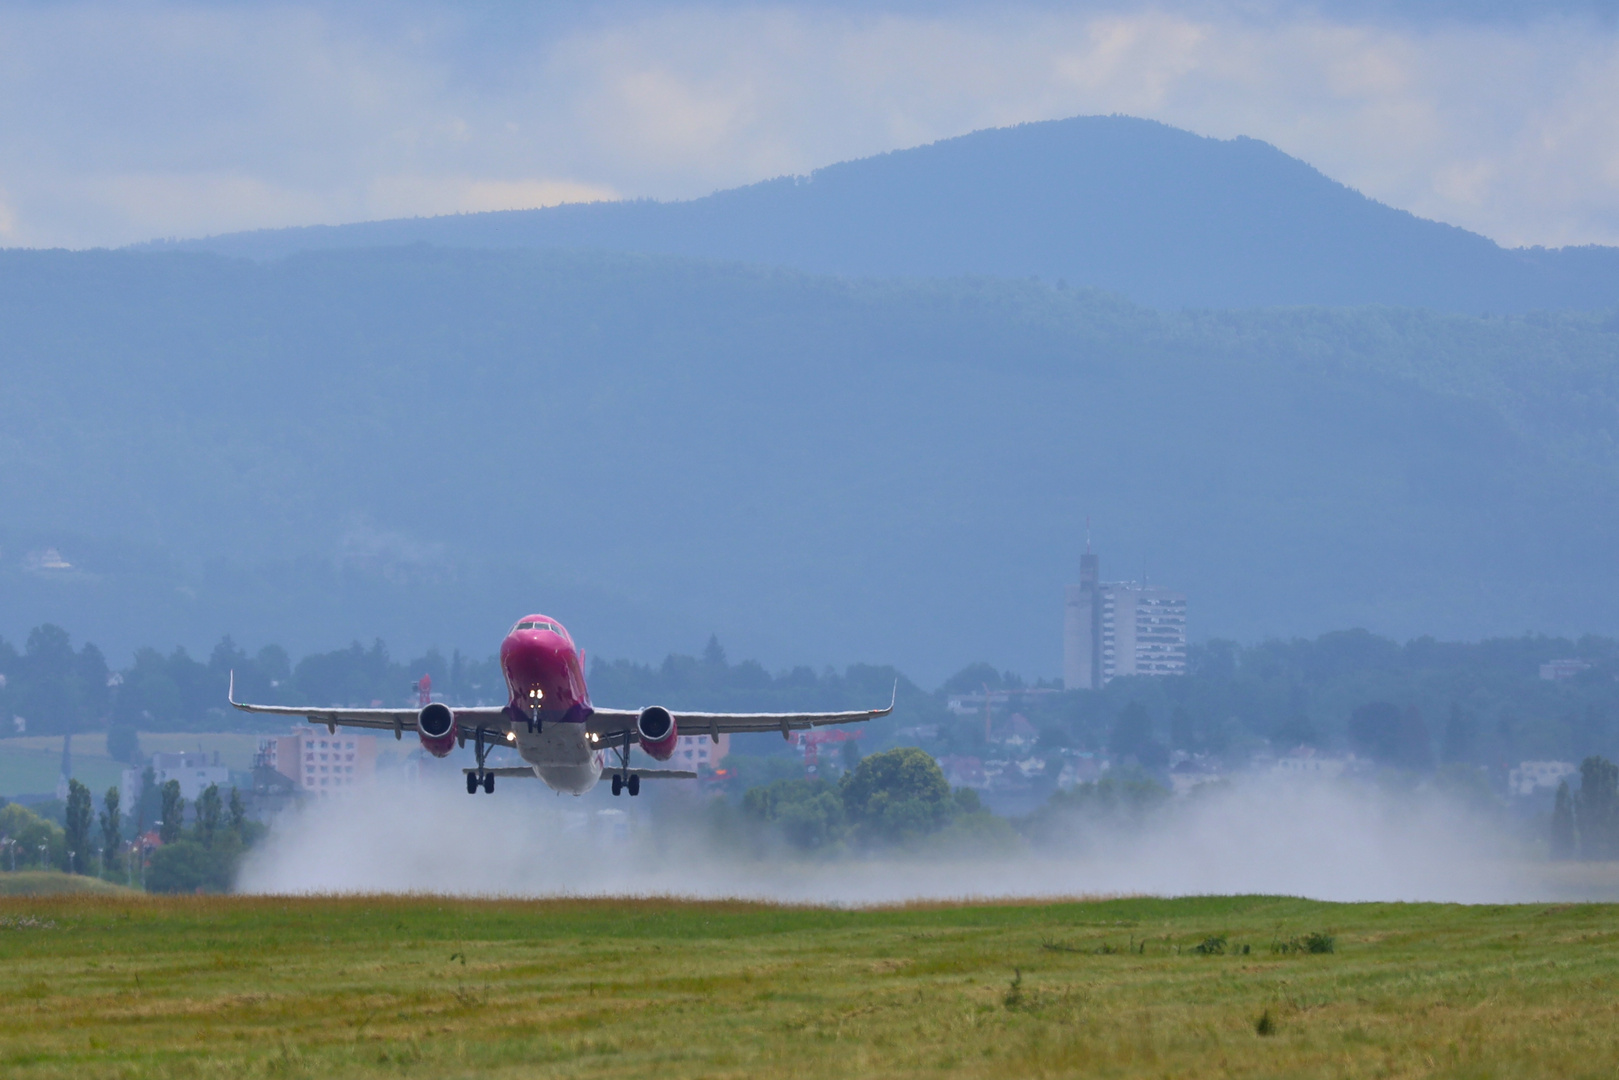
x=1113 y=628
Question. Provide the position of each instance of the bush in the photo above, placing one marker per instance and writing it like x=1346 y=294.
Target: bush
x=1306 y=943
x=808 y=813
x=29 y=831
x=187 y=866
x=897 y=796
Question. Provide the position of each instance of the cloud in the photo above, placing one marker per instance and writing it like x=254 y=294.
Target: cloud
x=123 y=123
x=407 y=196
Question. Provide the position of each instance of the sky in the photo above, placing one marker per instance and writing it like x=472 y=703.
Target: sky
x=146 y=119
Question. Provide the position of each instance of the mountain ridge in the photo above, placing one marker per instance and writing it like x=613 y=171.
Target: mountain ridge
x=1162 y=216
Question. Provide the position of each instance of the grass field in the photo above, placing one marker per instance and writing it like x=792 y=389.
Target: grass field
x=385 y=986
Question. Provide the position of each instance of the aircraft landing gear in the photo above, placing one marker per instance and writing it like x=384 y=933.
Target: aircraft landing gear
x=480 y=776
x=623 y=778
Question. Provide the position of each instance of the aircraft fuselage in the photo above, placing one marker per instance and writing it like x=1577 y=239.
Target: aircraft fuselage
x=545 y=683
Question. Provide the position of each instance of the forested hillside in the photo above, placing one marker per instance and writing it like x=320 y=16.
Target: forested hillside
x=1162 y=216
x=423 y=444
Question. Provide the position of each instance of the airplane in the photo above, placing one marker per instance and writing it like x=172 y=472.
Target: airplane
x=550 y=721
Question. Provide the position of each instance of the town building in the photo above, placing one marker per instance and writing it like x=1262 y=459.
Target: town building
x=1532 y=775
x=1558 y=670
x=320 y=763
x=1113 y=628
x=1082 y=767
x=1189 y=771
x=695 y=752
x=962 y=771
x=1306 y=762
x=195 y=770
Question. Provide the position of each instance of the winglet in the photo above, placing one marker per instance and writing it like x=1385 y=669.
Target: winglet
x=893 y=697
x=230 y=692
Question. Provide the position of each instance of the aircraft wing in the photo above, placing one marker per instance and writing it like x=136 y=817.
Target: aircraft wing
x=493 y=717
x=610 y=722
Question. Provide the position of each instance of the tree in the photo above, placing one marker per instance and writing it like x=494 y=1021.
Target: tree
x=210 y=807
x=1132 y=737
x=808 y=813
x=896 y=796
x=1563 y=824
x=238 y=815
x=174 y=810
x=1390 y=735
x=60 y=691
x=1461 y=736
x=1596 y=809
x=974 y=677
x=849 y=753
x=112 y=831
x=123 y=743
x=149 y=807
x=80 y=816
x=28 y=833
x=1182 y=732
x=1296 y=730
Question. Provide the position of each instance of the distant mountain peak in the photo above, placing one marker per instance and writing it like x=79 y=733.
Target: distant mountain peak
x=1161 y=215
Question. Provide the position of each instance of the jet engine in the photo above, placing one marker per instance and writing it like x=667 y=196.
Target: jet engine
x=436 y=726
x=656 y=726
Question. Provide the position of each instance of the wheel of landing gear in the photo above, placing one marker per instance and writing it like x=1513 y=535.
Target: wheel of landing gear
x=489 y=783
x=618 y=784
x=635 y=786
x=472 y=783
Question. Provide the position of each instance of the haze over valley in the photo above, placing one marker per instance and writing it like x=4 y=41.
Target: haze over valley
x=340 y=443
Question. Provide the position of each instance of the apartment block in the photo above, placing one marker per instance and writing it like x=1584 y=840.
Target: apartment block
x=320 y=763
x=1113 y=628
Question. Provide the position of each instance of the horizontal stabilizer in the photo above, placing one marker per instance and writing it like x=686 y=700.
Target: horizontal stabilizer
x=645 y=774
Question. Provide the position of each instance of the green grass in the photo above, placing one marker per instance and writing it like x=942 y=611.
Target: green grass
x=135 y=987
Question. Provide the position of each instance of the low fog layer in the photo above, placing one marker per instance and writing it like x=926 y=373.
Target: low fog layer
x=1321 y=841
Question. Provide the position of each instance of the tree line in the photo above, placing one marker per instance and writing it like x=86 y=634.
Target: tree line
x=1416 y=706
x=1585 y=823
x=111 y=844
x=56 y=689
